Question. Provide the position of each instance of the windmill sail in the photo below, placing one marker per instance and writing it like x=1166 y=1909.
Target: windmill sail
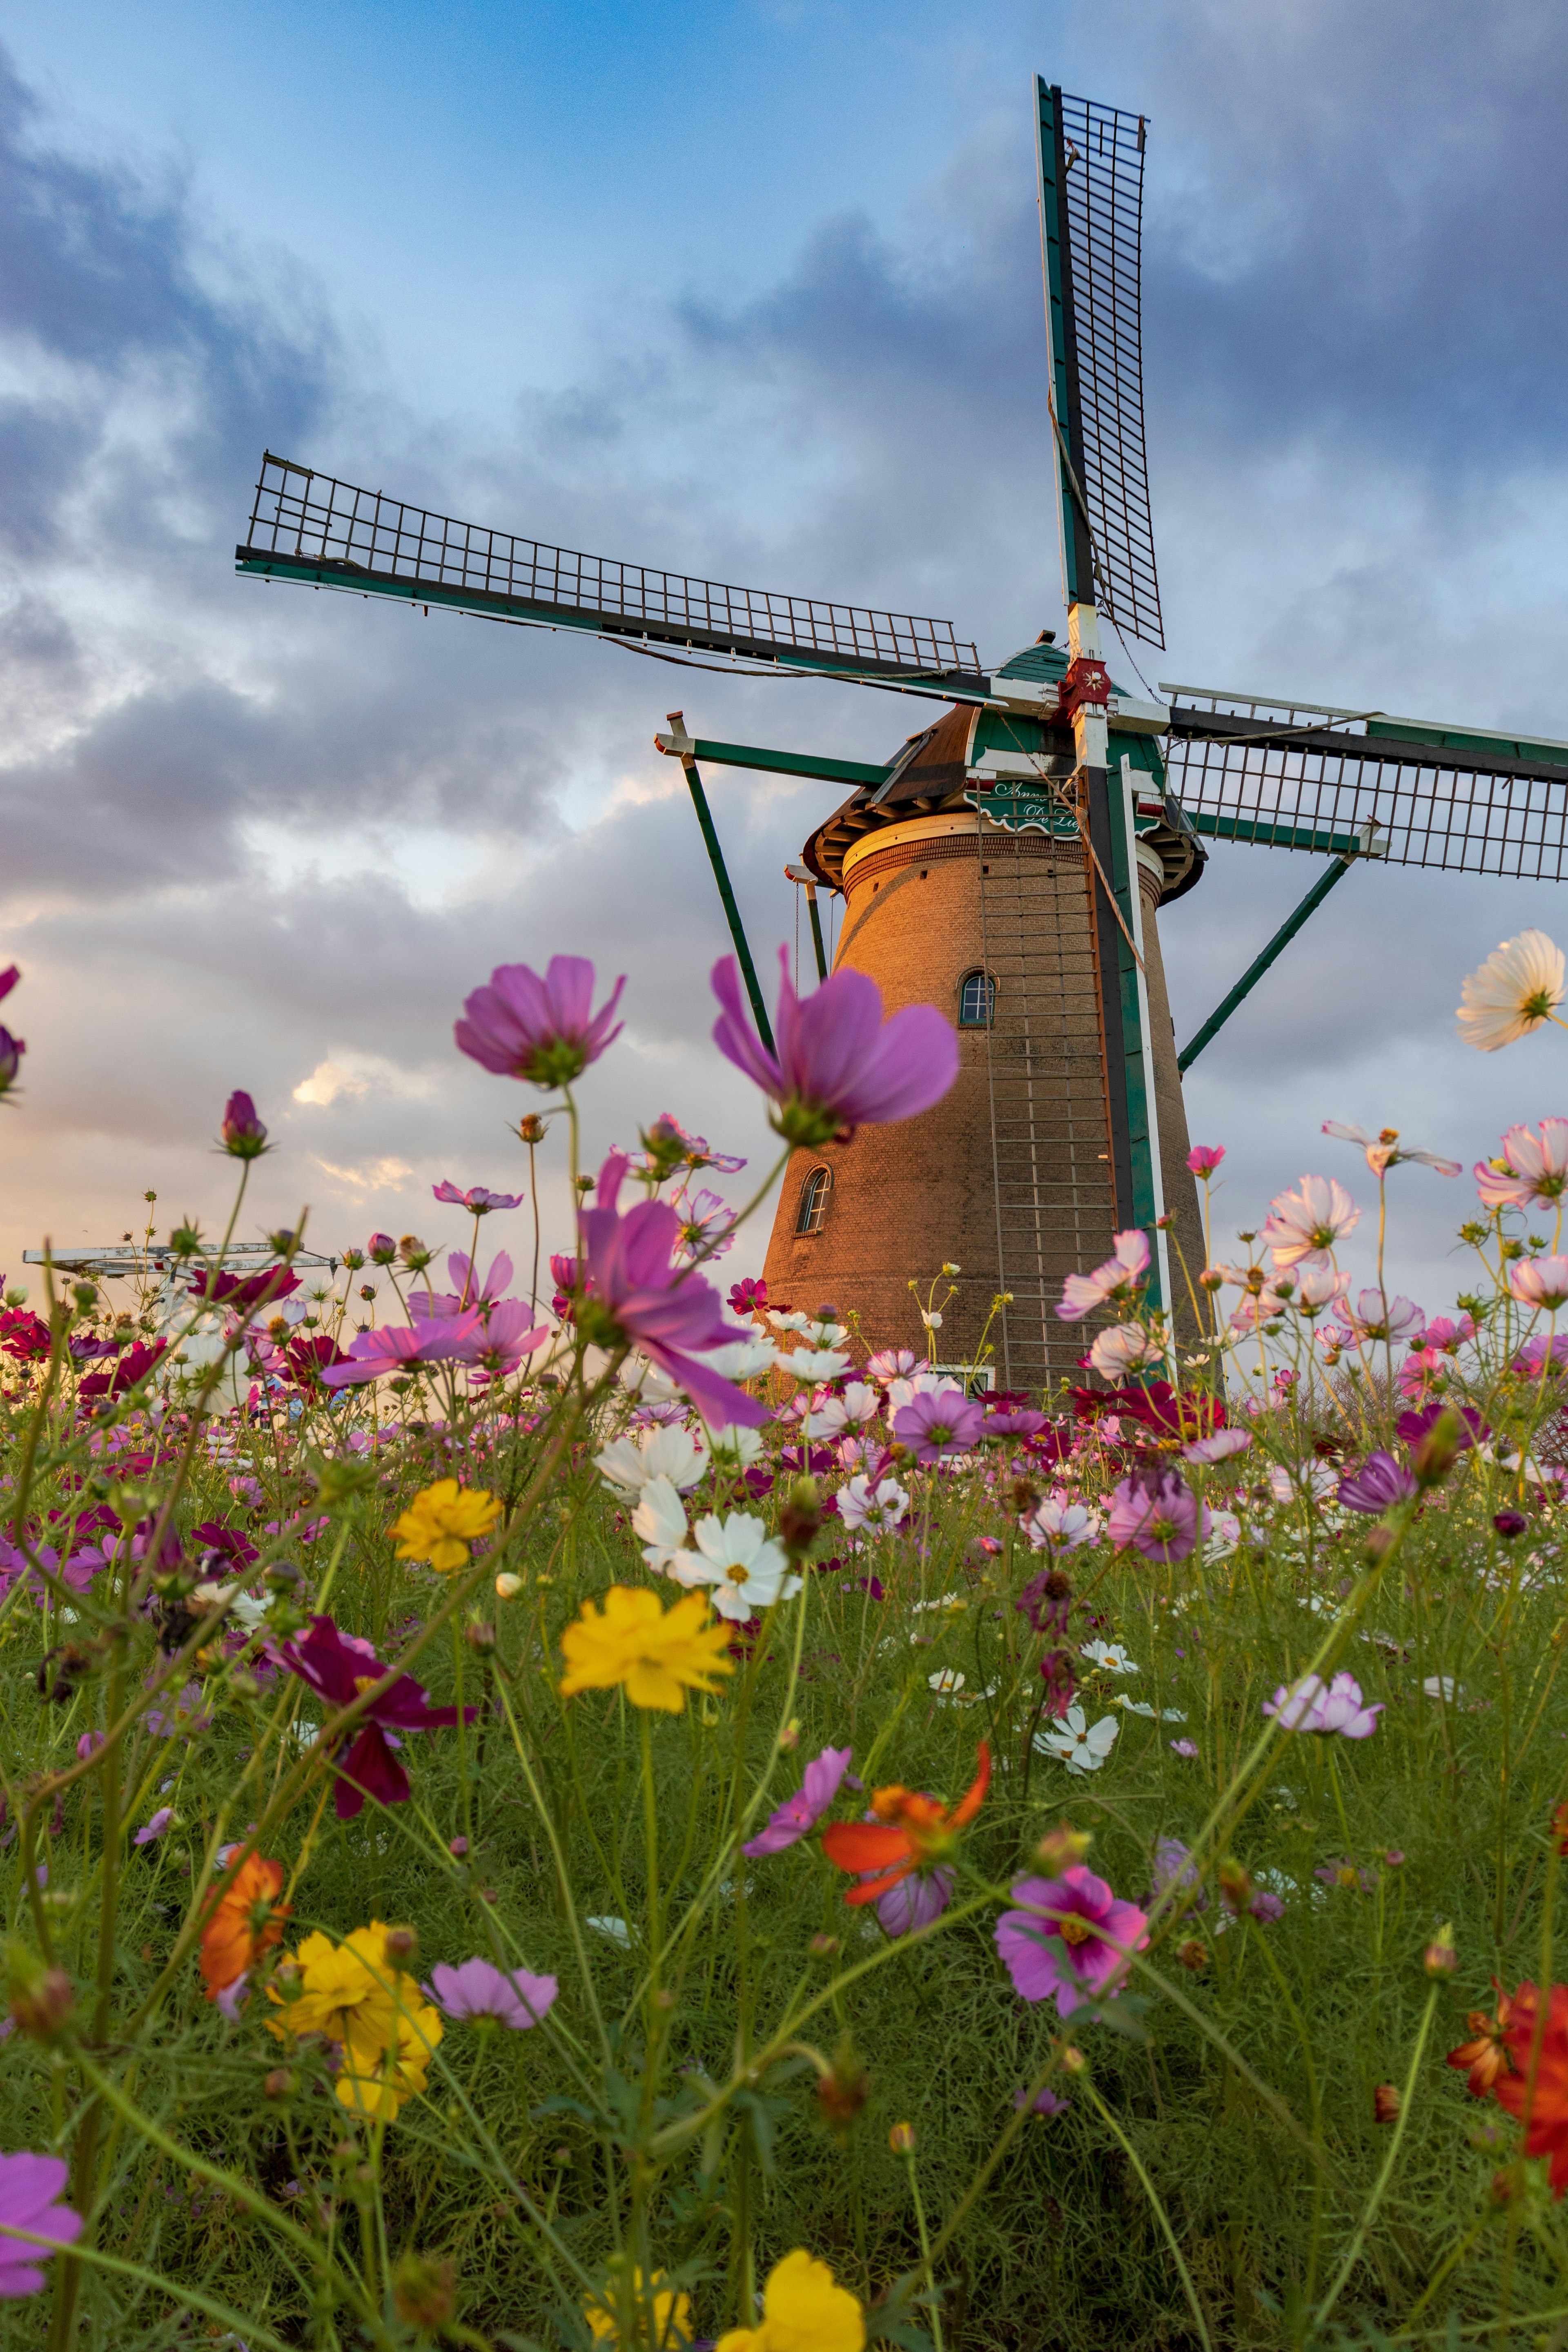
x=310 y=528
x=1298 y=775
x=1092 y=225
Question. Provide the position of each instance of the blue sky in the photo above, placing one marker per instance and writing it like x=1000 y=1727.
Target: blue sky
x=751 y=290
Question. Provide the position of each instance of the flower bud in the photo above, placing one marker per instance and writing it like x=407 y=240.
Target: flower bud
x=1509 y=1524
x=480 y=1636
x=843 y=2089
x=1062 y=1848
x=1073 y=2060
x=1440 y=1959
x=1194 y=1954
x=11 y=1051
x=42 y=1998
x=425 y=2291
x=902 y=2139
x=402 y=1943
x=1385 y=2103
x=242 y=1133
x=278 y=2083
x=508 y=1586
x=801 y=1516
x=531 y=1128
x=1235 y=1885
x=822 y=1947
x=1440 y=1448
x=380 y=1249
x=413 y=1252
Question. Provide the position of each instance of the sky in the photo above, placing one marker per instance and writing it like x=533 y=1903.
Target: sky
x=752 y=290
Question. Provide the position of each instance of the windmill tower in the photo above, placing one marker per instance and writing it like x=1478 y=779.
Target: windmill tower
x=1008 y=864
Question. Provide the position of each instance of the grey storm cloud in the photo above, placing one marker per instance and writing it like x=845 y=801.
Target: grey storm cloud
x=252 y=833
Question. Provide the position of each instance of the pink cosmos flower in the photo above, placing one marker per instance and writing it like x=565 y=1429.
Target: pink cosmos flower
x=1384 y=1150
x=477 y=1200
x=799 y=1816
x=1156 y=1512
x=667 y=1146
x=704 y=1217
x=1319 y=1214
x=11 y=1051
x=337 y=1667
x=837 y=1063
x=1541 y=1281
x=1044 y=2102
x=517 y=1997
x=888 y=1364
x=1204 y=1158
x=1376 y=1316
x=155 y=1827
x=748 y=1296
x=1377 y=1486
x=501 y=1339
x=1539 y=1355
x=914 y=1902
x=542 y=1029
x=938 y=1424
x=633 y=1292
x=1220 y=1447
x=1533 y=1166
x=28 y=2187
x=1312 y=1705
x=1124 y=1271
x=1185 y=1749
x=1019 y=1421
x=1071 y=1940
x=1125 y=1347
x=9 y=979
x=1442 y=1332
x=1317 y=1286
x=397 y=1347
x=242 y=1133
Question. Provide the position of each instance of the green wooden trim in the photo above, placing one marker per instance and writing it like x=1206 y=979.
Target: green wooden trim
x=1272 y=836
x=1453 y=739
x=789 y=764
x=1141 y=1116
x=817 y=947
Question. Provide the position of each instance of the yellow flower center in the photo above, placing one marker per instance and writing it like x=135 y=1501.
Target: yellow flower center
x=1075 y=1930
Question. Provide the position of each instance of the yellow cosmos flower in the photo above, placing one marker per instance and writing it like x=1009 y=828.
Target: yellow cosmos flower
x=385 y=2063
x=659 y=1655
x=342 y=1990
x=441 y=1523
x=671 y=2315
x=803 y=2311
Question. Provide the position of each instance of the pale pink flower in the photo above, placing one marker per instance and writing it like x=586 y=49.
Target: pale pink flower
x=1531 y=1167
x=1376 y=1316
x=799 y=1815
x=1384 y=1150
x=1311 y=1705
x=1123 y=1348
x=397 y=1349
x=880 y=1509
x=890 y=1364
x=1124 y=1271
x=1519 y=986
x=1319 y=1214
x=1540 y=1281
x=1060 y=1525
x=1220 y=1447
x=479 y=1200
x=1318 y=1286
x=1157 y=1513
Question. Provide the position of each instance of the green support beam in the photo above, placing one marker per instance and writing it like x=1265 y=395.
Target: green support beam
x=1256 y=970
x=778 y=763
x=686 y=750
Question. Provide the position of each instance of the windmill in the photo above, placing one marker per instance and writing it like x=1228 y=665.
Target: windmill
x=1008 y=862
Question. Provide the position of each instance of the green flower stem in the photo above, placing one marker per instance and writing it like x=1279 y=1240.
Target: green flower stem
x=1396 y=2140
x=1160 y=2213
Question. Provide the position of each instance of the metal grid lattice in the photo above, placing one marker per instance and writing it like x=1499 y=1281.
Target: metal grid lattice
x=377 y=542
x=1103 y=151
x=1295 y=775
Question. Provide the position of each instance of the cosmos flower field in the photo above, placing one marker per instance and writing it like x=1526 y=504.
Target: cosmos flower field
x=556 y=1801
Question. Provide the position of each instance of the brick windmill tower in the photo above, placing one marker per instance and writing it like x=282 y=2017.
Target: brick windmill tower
x=1010 y=863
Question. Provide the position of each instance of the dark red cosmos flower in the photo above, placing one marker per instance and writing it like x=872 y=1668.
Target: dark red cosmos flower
x=232 y=1542
x=24 y=1334
x=134 y=1365
x=1187 y=1414
x=243 y=1292
x=1414 y=1427
x=337 y=1667
x=309 y=1357
x=748 y=1294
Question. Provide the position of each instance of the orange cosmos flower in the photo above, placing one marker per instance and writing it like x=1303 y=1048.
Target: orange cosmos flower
x=918 y=1834
x=1486 y=2054
x=1537 y=2091
x=245 y=1921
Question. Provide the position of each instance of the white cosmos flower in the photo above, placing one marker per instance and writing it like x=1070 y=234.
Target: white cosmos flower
x=1224 y=1534
x=857 y=1406
x=742 y=1360
x=615 y=1929
x=660 y=1520
x=1111 y=1656
x=947 y=1682
x=735 y=1449
x=859 y=1507
x=1059 y=1525
x=1081 y=1749
x=825 y=1333
x=737 y=1557
x=783 y=1321
x=814 y=1363
x=1142 y=1707
x=901 y=1393
x=1441 y=1686
x=1123 y=1348
x=672 y=1453
x=931 y=1322
x=1519 y=986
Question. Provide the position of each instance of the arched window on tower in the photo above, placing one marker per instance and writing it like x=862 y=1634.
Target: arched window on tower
x=976 y=1001
x=813 y=1195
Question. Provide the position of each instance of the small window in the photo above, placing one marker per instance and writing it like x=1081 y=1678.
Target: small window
x=813 y=1195
x=976 y=1001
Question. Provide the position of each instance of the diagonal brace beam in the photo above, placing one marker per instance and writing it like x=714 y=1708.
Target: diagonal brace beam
x=1339 y=868
x=686 y=750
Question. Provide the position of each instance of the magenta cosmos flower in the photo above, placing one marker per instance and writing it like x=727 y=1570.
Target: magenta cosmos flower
x=11 y=1051
x=28 y=2187
x=1377 y=1486
x=799 y=1816
x=337 y=1667
x=398 y=1348
x=517 y=1999
x=244 y=1137
x=477 y=1200
x=1157 y=1513
x=939 y=1423
x=544 y=1029
x=1072 y=1940
x=839 y=1065
x=1204 y=1158
x=632 y=1291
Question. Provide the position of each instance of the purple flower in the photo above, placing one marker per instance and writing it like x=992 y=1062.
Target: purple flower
x=1044 y=2102
x=1509 y=1524
x=28 y=2187
x=837 y=1063
x=155 y=1827
x=1378 y=1484
x=380 y=1249
x=477 y=1990
x=668 y=1146
x=89 y=1743
x=11 y=1051
x=800 y=1813
x=543 y=1030
x=472 y=1288
x=938 y=1424
x=243 y=1135
x=633 y=1292
x=1071 y=1940
x=502 y=1339
x=1538 y=1356
x=1265 y=1907
x=1217 y=1448
x=8 y=978
x=337 y=1667
x=1311 y=1705
x=915 y=1901
x=1156 y=1512
x=1021 y=1422
x=1414 y=1427
x=477 y=1200
x=397 y=1347
x=1173 y=1866
x=1185 y=1749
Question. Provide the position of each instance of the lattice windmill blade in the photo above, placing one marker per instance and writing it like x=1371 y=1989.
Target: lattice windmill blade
x=311 y=528
x=1091 y=227
x=1289 y=774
